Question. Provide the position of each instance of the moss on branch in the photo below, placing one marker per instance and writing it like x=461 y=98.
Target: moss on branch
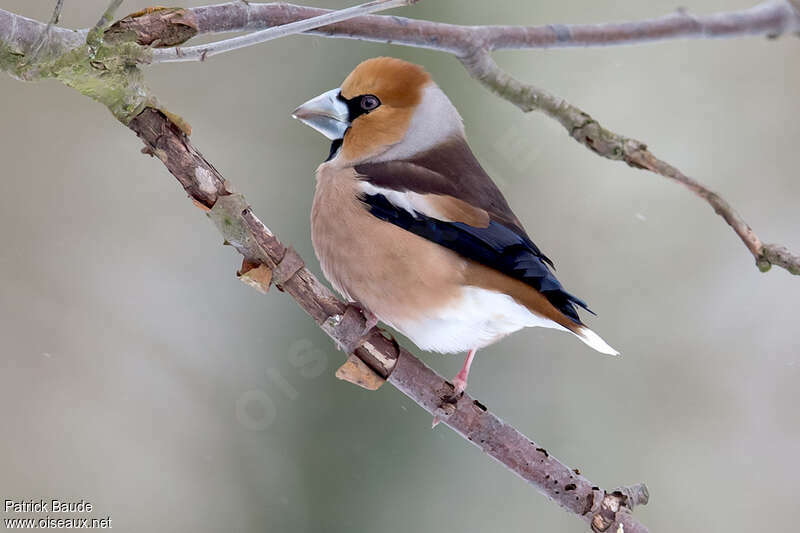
x=108 y=72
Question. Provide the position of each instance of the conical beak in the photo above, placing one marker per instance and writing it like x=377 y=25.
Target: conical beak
x=327 y=113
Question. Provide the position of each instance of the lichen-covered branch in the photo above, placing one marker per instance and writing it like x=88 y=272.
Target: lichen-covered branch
x=19 y=37
x=95 y=35
x=45 y=35
x=104 y=71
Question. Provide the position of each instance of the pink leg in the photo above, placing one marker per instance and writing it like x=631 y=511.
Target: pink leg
x=460 y=381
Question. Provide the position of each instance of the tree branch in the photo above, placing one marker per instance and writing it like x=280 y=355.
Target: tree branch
x=587 y=131
x=96 y=33
x=18 y=38
x=772 y=17
x=45 y=35
x=200 y=53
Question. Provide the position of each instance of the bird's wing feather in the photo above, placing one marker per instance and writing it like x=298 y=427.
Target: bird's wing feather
x=448 y=169
x=482 y=228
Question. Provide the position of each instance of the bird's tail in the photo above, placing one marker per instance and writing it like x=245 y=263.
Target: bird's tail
x=593 y=340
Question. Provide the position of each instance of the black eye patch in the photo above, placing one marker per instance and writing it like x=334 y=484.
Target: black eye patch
x=360 y=105
x=356 y=106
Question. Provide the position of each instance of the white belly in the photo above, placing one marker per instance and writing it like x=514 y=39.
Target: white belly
x=479 y=318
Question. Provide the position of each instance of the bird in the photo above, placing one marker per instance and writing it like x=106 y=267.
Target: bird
x=408 y=226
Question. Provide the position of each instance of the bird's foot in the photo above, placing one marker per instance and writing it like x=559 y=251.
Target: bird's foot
x=459 y=385
x=448 y=405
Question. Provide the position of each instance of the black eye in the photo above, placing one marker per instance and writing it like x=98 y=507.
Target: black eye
x=369 y=102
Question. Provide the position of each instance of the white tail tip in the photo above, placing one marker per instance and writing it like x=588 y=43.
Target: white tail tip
x=593 y=339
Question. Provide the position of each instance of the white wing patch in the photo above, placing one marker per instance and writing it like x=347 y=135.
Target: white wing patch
x=412 y=202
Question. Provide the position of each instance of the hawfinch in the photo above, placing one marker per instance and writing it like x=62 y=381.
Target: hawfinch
x=409 y=227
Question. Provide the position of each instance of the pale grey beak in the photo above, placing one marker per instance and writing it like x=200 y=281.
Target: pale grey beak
x=326 y=113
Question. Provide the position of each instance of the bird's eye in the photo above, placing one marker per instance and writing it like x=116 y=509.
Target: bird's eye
x=369 y=102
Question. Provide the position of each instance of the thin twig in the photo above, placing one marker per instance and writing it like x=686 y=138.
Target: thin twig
x=56 y=13
x=45 y=35
x=96 y=33
x=201 y=52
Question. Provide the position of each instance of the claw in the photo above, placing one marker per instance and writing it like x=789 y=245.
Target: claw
x=459 y=386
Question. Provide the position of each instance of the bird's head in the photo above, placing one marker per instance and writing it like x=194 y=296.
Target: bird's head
x=386 y=109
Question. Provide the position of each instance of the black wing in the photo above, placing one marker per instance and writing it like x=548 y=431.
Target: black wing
x=496 y=246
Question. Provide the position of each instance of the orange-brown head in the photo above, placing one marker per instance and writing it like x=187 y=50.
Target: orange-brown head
x=384 y=107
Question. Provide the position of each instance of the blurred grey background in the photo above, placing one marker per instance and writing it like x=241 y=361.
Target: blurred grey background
x=140 y=375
